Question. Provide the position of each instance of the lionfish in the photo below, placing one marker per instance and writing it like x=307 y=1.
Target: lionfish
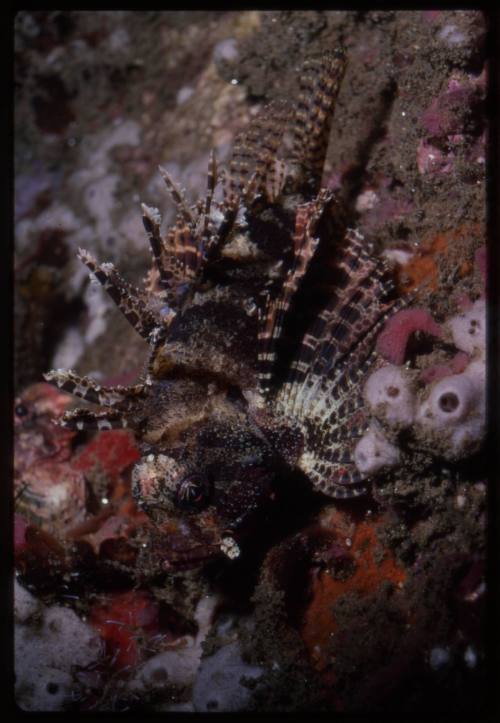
x=261 y=310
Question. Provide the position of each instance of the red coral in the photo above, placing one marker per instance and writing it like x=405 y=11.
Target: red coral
x=121 y=620
x=392 y=342
x=114 y=451
x=368 y=576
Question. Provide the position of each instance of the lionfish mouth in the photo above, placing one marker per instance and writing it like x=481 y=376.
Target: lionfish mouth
x=188 y=548
x=190 y=557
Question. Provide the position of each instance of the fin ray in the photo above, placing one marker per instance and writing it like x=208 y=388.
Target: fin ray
x=128 y=299
x=88 y=389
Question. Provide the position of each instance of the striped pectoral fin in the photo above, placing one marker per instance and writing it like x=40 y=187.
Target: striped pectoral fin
x=346 y=329
x=348 y=314
x=338 y=492
x=323 y=384
x=341 y=478
x=266 y=355
x=128 y=299
x=335 y=479
x=86 y=388
x=276 y=310
x=332 y=470
x=334 y=419
x=369 y=291
x=357 y=342
x=85 y=419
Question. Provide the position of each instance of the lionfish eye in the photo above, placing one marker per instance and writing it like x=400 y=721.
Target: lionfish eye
x=193 y=491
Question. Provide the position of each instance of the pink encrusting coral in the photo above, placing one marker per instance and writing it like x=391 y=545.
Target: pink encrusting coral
x=453 y=124
x=455 y=111
x=431 y=159
x=393 y=341
x=438 y=371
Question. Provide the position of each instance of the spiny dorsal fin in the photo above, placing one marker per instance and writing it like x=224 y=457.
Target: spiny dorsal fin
x=152 y=222
x=255 y=150
x=207 y=226
x=181 y=257
x=130 y=300
x=177 y=196
x=319 y=85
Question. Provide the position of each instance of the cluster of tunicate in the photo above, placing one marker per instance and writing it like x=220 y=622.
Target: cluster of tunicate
x=219 y=684
x=374 y=452
x=389 y=395
x=437 y=410
x=53 y=648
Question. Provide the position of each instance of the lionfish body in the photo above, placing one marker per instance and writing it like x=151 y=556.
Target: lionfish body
x=261 y=316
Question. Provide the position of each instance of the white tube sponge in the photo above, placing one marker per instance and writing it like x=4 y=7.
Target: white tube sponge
x=389 y=395
x=469 y=329
x=454 y=412
x=450 y=401
x=373 y=452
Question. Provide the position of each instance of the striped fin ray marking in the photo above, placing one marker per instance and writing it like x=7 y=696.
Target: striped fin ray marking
x=331 y=432
x=85 y=419
x=152 y=221
x=360 y=299
x=88 y=389
x=207 y=228
x=272 y=320
x=324 y=389
x=319 y=85
x=182 y=259
x=188 y=250
x=255 y=150
x=332 y=415
x=130 y=300
x=177 y=195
